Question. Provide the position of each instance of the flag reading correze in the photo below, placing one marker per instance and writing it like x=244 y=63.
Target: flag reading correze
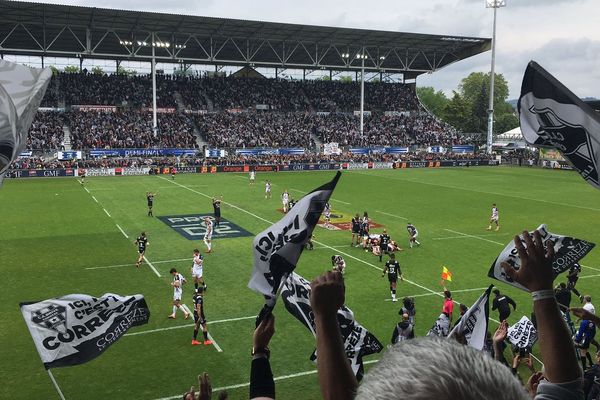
x=21 y=91
x=473 y=325
x=358 y=341
x=553 y=116
x=77 y=328
x=522 y=334
x=567 y=251
x=278 y=248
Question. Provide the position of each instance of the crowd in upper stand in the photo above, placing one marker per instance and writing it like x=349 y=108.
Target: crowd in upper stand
x=237 y=112
x=46 y=131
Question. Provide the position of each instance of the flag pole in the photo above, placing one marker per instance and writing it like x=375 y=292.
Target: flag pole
x=60 y=393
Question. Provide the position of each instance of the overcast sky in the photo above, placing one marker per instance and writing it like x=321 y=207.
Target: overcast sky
x=562 y=35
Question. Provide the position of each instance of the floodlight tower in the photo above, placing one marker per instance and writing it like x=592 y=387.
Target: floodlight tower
x=495 y=4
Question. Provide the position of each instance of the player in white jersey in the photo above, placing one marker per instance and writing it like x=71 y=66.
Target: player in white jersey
x=494 y=218
x=413 y=233
x=208 y=234
x=267 y=190
x=178 y=281
x=285 y=199
x=252 y=177
x=197 y=269
x=327 y=213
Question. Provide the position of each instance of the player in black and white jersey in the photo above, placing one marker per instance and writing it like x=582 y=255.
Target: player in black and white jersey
x=384 y=241
x=199 y=318
x=355 y=230
x=208 y=234
x=364 y=230
x=412 y=234
x=141 y=242
x=177 y=283
x=494 y=218
x=216 y=202
x=392 y=269
x=150 y=200
x=572 y=278
x=338 y=263
x=327 y=213
x=267 y=190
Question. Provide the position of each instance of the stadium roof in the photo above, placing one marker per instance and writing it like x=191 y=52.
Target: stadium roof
x=72 y=31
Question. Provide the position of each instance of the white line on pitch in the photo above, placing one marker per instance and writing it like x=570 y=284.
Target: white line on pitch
x=131 y=264
x=589 y=276
x=107 y=212
x=277 y=378
x=122 y=231
x=586 y=266
x=391 y=215
x=95 y=199
x=152 y=266
x=441 y=293
x=86 y=189
x=214 y=342
x=303 y=192
x=220 y=321
x=475 y=237
x=465 y=237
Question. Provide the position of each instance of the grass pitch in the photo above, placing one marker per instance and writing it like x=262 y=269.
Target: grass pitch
x=58 y=238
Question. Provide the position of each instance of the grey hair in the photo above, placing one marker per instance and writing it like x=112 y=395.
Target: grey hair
x=432 y=368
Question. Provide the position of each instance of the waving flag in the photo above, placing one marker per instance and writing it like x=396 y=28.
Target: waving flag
x=446 y=274
x=21 y=91
x=278 y=248
x=77 y=328
x=473 y=325
x=553 y=116
x=358 y=341
x=567 y=251
x=522 y=334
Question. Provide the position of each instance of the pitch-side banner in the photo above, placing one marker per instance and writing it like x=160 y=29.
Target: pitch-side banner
x=474 y=324
x=358 y=341
x=567 y=251
x=21 y=91
x=522 y=334
x=278 y=248
x=77 y=328
x=553 y=116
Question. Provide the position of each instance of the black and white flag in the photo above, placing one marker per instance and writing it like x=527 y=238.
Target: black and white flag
x=278 y=248
x=358 y=341
x=553 y=116
x=77 y=328
x=522 y=334
x=567 y=251
x=441 y=327
x=21 y=91
x=473 y=325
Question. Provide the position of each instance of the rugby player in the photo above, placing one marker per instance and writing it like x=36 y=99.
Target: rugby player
x=327 y=213
x=267 y=190
x=392 y=269
x=412 y=233
x=384 y=241
x=178 y=281
x=338 y=263
x=494 y=218
x=208 y=234
x=197 y=270
x=285 y=199
x=355 y=230
x=216 y=202
x=150 y=199
x=142 y=243
x=199 y=318
x=364 y=230
x=252 y=177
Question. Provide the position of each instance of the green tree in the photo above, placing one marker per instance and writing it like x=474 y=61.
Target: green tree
x=71 y=69
x=97 y=70
x=54 y=70
x=124 y=71
x=346 y=79
x=434 y=101
x=457 y=113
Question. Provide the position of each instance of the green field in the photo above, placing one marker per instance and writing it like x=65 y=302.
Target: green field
x=56 y=239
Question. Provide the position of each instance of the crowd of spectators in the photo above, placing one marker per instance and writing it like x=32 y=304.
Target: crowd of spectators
x=46 y=131
x=129 y=129
x=256 y=129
